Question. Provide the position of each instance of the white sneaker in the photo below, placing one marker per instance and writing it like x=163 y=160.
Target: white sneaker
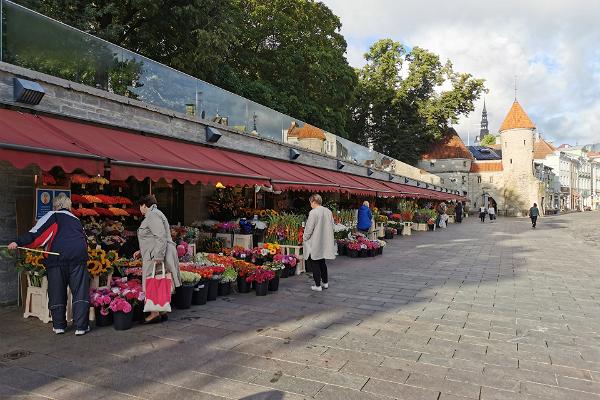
x=58 y=331
x=316 y=288
x=325 y=285
x=81 y=332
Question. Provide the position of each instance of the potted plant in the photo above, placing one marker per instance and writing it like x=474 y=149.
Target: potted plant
x=100 y=299
x=276 y=266
x=228 y=276
x=244 y=269
x=342 y=247
x=184 y=293
x=122 y=313
x=261 y=278
x=353 y=249
x=213 y=284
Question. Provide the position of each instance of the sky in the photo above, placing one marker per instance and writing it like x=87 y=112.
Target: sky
x=550 y=46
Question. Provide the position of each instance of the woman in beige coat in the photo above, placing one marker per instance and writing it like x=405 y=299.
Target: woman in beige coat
x=319 y=241
x=156 y=246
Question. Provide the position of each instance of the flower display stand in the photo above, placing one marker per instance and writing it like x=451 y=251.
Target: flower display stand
x=407 y=228
x=420 y=227
x=227 y=237
x=244 y=241
x=451 y=219
x=380 y=229
x=36 y=301
x=298 y=252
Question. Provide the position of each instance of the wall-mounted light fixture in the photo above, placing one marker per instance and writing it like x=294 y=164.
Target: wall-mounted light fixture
x=370 y=171
x=340 y=164
x=212 y=135
x=294 y=154
x=27 y=92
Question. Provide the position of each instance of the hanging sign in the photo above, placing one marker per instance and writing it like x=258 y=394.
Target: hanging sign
x=44 y=198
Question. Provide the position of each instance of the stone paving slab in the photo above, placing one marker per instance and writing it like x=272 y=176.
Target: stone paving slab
x=477 y=311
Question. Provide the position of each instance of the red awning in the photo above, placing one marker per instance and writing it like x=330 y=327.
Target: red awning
x=25 y=140
x=72 y=144
x=284 y=175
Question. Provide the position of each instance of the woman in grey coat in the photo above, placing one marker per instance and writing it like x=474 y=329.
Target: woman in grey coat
x=319 y=242
x=156 y=246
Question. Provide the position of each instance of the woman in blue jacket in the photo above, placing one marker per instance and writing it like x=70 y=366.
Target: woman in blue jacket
x=365 y=217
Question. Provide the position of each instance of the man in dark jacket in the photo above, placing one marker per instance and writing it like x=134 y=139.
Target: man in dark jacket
x=459 y=212
x=534 y=212
x=61 y=232
x=365 y=217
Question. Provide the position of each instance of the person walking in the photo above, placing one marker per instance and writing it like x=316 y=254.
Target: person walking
x=319 y=242
x=492 y=213
x=534 y=212
x=365 y=218
x=156 y=247
x=482 y=212
x=458 y=210
x=61 y=232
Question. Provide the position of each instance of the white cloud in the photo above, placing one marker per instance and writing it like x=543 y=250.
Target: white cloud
x=550 y=45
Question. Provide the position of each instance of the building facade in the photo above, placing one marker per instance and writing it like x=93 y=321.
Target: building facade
x=505 y=175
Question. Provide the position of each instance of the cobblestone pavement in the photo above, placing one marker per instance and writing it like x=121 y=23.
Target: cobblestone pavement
x=478 y=311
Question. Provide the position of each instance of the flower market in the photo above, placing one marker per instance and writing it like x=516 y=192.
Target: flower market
x=232 y=177
x=246 y=239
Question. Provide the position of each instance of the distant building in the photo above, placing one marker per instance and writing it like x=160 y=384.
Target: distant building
x=504 y=175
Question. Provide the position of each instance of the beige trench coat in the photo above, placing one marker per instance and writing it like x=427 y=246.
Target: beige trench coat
x=319 y=242
x=154 y=235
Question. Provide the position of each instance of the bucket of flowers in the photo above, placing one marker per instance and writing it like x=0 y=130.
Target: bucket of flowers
x=342 y=245
x=289 y=261
x=32 y=263
x=227 y=278
x=353 y=248
x=184 y=293
x=100 y=299
x=213 y=284
x=277 y=267
x=261 y=277
x=200 y=296
x=244 y=269
x=372 y=247
x=390 y=233
x=127 y=294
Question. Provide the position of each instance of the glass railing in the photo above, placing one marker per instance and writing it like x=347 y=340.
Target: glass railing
x=36 y=42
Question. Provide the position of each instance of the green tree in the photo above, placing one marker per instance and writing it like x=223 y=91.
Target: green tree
x=407 y=99
x=285 y=54
x=488 y=140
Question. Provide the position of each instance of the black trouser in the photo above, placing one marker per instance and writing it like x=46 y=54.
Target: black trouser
x=319 y=270
x=458 y=217
x=534 y=221
x=76 y=277
x=482 y=216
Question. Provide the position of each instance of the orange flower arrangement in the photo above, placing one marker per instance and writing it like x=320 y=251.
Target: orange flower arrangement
x=92 y=199
x=80 y=179
x=118 y=212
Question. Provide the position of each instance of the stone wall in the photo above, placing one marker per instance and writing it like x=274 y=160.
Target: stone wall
x=491 y=183
x=452 y=172
x=85 y=103
x=17 y=186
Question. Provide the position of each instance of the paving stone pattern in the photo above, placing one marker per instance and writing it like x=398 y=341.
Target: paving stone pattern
x=477 y=311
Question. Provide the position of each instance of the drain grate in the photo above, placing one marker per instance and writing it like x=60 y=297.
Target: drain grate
x=15 y=355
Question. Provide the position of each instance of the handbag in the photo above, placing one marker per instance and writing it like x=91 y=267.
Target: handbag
x=158 y=291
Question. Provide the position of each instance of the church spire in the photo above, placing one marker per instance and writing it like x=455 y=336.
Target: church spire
x=484 y=122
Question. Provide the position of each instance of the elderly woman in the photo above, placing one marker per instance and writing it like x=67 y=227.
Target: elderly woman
x=61 y=232
x=365 y=218
x=318 y=241
x=156 y=247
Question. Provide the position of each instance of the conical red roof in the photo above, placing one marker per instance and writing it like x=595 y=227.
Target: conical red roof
x=517 y=118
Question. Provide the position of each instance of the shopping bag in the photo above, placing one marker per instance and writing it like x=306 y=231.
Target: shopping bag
x=158 y=292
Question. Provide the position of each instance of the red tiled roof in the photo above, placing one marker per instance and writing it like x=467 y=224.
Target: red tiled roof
x=451 y=146
x=486 y=166
x=306 y=132
x=516 y=118
x=541 y=149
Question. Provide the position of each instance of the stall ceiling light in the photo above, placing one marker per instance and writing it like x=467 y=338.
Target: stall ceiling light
x=370 y=171
x=28 y=92
x=294 y=154
x=340 y=165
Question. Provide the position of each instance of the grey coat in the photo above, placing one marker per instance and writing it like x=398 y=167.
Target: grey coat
x=319 y=242
x=154 y=235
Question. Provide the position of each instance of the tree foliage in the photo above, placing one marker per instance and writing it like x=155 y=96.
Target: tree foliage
x=285 y=54
x=407 y=99
x=488 y=140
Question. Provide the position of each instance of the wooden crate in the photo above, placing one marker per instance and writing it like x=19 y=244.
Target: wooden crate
x=299 y=253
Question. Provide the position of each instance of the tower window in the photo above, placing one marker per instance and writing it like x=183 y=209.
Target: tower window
x=479 y=179
x=511 y=160
x=464 y=163
x=463 y=180
x=491 y=179
x=524 y=142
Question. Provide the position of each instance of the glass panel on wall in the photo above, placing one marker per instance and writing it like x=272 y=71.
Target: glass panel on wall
x=34 y=41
